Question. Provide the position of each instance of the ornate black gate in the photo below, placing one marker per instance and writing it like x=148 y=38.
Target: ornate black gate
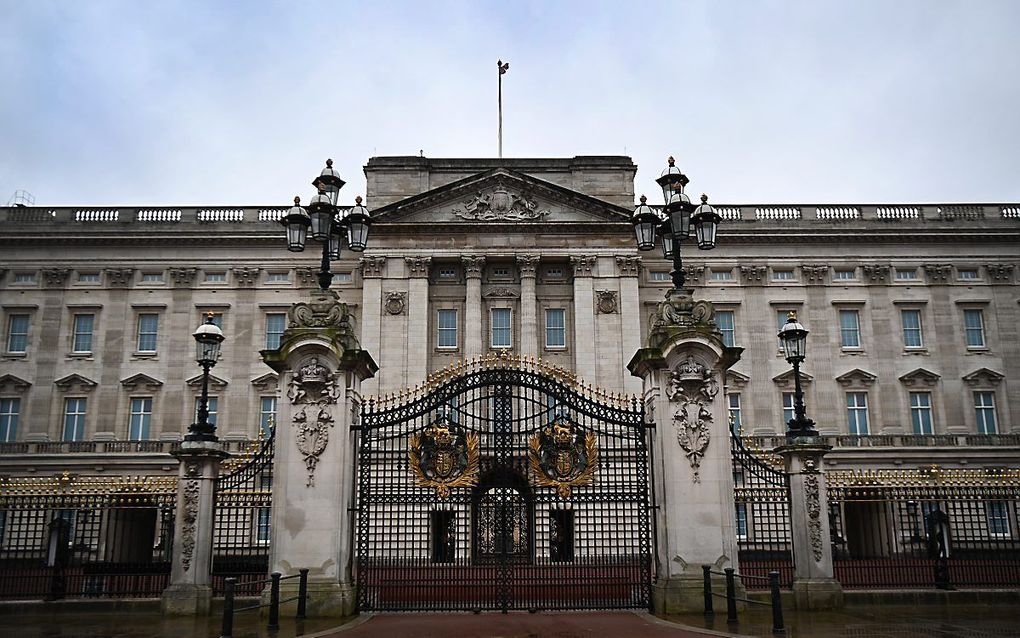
x=503 y=484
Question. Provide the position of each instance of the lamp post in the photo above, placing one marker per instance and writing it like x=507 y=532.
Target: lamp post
x=793 y=335
x=208 y=338
x=680 y=215
x=327 y=223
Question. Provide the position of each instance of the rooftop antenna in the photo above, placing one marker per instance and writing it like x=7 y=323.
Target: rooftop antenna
x=21 y=199
x=503 y=67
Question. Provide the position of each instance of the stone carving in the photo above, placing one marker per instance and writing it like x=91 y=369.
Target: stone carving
x=501 y=293
x=190 y=511
x=679 y=309
x=313 y=386
x=183 y=276
x=246 y=276
x=527 y=265
x=876 y=273
x=628 y=266
x=119 y=276
x=692 y=387
x=814 y=512
x=753 y=274
x=55 y=277
x=312 y=437
x=938 y=273
x=814 y=274
x=473 y=266
x=606 y=301
x=418 y=266
x=583 y=265
x=693 y=273
x=372 y=266
x=307 y=277
x=500 y=205
x=396 y=302
x=1002 y=273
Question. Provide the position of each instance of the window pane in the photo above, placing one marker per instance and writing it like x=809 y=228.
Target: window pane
x=9 y=410
x=17 y=333
x=148 y=325
x=555 y=328
x=276 y=322
x=984 y=411
x=267 y=417
x=74 y=419
x=849 y=329
x=787 y=407
x=724 y=319
x=501 y=328
x=141 y=419
x=911 y=320
x=82 y=341
x=857 y=412
x=446 y=328
x=920 y=413
x=213 y=406
x=734 y=413
x=974 y=324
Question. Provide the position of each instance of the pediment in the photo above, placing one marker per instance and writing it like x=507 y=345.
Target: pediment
x=214 y=381
x=785 y=379
x=736 y=380
x=501 y=292
x=268 y=381
x=856 y=378
x=920 y=378
x=141 y=380
x=75 y=380
x=501 y=196
x=983 y=377
x=9 y=382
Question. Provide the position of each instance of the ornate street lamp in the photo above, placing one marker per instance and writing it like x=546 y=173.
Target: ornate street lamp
x=326 y=223
x=208 y=338
x=793 y=336
x=680 y=215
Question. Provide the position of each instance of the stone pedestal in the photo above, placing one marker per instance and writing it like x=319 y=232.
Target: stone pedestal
x=190 y=592
x=814 y=586
x=682 y=372
x=322 y=367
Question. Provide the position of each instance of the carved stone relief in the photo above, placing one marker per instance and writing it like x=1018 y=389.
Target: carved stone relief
x=753 y=274
x=418 y=266
x=814 y=512
x=876 y=273
x=693 y=274
x=192 y=488
x=814 y=274
x=1000 y=273
x=473 y=266
x=55 y=277
x=606 y=301
x=313 y=387
x=692 y=387
x=938 y=273
x=583 y=265
x=246 y=276
x=307 y=277
x=628 y=266
x=183 y=276
x=372 y=266
x=527 y=265
x=396 y=302
x=500 y=205
x=119 y=276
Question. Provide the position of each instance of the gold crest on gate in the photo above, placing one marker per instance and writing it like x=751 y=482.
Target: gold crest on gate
x=562 y=456
x=444 y=457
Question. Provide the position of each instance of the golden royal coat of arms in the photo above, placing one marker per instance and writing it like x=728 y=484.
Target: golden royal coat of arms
x=563 y=457
x=443 y=458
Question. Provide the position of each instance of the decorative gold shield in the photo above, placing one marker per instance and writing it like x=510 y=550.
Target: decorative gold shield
x=560 y=456
x=443 y=459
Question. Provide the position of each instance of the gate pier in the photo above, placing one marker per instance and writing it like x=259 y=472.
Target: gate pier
x=682 y=370
x=321 y=366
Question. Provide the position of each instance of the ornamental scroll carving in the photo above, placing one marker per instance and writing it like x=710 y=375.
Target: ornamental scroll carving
x=814 y=512
x=500 y=205
x=606 y=301
x=692 y=387
x=313 y=387
x=191 y=494
x=396 y=302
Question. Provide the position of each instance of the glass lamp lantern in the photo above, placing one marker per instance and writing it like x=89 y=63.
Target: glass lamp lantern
x=671 y=180
x=337 y=238
x=321 y=211
x=666 y=237
x=357 y=222
x=794 y=338
x=645 y=221
x=330 y=182
x=678 y=208
x=706 y=224
x=296 y=221
x=208 y=338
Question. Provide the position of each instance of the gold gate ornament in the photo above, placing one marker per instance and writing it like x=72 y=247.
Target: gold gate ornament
x=443 y=459
x=563 y=458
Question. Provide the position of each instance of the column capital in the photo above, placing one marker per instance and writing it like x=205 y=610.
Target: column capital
x=418 y=267
x=527 y=265
x=372 y=265
x=628 y=265
x=473 y=265
x=583 y=265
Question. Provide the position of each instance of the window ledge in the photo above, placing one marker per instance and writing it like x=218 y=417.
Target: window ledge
x=978 y=350
x=144 y=355
x=853 y=352
x=15 y=355
x=556 y=348
x=87 y=356
x=916 y=351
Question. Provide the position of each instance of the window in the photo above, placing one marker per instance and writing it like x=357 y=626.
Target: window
x=448 y=273
x=849 y=329
x=141 y=419
x=148 y=331
x=9 y=410
x=920 y=413
x=906 y=274
x=998 y=518
x=263 y=528
x=443 y=528
x=722 y=275
x=24 y=278
x=724 y=319
x=658 y=275
x=554 y=273
x=152 y=277
x=88 y=278
x=276 y=277
x=911 y=322
x=17 y=333
x=741 y=520
x=974 y=327
x=217 y=318
x=342 y=278
x=276 y=322
x=781 y=318
x=984 y=412
x=82 y=338
x=267 y=415
x=501 y=272
x=733 y=401
x=501 y=328
x=782 y=275
x=857 y=412
x=213 y=409
x=561 y=536
x=555 y=328
x=967 y=273
x=446 y=328
x=788 y=413
x=74 y=419
x=844 y=274
x=215 y=277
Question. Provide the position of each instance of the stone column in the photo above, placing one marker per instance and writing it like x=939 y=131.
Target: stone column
x=682 y=372
x=629 y=268
x=584 y=317
x=417 y=319
x=473 y=326
x=814 y=586
x=190 y=592
x=372 y=267
x=527 y=265
x=322 y=366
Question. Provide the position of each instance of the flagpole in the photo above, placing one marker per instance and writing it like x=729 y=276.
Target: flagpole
x=501 y=68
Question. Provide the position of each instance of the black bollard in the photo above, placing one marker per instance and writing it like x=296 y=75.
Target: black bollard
x=731 y=596
x=777 y=604
x=302 y=593
x=706 y=570
x=227 y=629
x=274 y=601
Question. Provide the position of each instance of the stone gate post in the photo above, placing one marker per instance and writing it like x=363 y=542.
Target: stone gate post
x=814 y=586
x=321 y=366
x=682 y=371
x=190 y=591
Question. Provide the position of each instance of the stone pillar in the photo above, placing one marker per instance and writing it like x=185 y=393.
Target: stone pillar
x=814 y=586
x=372 y=267
x=417 y=319
x=584 y=317
x=473 y=326
x=322 y=366
x=527 y=265
x=629 y=268
x=190 y=592
x=682 y=372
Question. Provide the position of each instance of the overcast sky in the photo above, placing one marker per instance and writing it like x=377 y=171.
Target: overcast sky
x=213 y=102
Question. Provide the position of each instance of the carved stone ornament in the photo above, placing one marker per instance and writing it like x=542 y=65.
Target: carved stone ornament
x=938 y=273
x=324 y=311
x=442 y=458
x=564 y=457
x=119 y=276
x=190 y=507
x=814 y=274
x=583 y=265
x=396 y=302
x=246 y=276
x=307 y=277
x=876 y=274
x=418 y=266
x=753 y=274
x=628 y=266
x=183 y=276
x=606 y=301
x=1000 y=273
x=372 y=266
x=814 y=512
x=312 y=436
x=55 y=277
x=313 y=383
x=315 y=387
x=692 y=387
x=694 y=273
x=679 y=309
x=501 y=293
x=500 y=205
x=473 y=266
x=527 y=265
